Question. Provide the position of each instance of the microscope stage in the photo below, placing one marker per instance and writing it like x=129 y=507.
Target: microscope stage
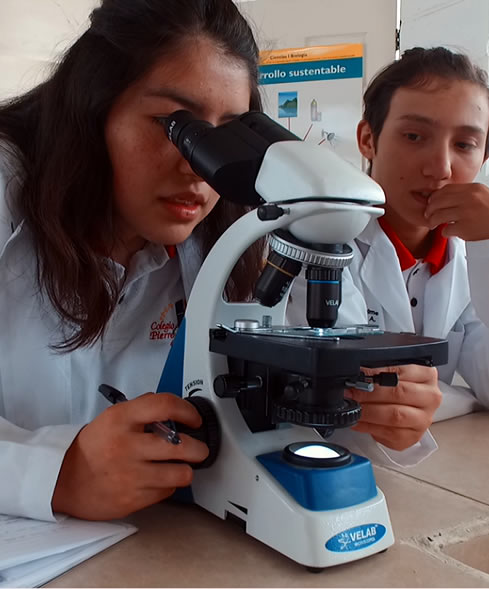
x=325 y=357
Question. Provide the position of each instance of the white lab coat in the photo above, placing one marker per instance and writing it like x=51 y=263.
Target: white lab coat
x=46 y=397
x=478 y=266
x=374 y=286
x=447 y=313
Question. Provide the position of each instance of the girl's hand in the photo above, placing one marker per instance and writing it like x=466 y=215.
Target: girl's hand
x=112 y=468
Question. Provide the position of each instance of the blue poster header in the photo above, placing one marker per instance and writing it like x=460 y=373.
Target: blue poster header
x=311 y=71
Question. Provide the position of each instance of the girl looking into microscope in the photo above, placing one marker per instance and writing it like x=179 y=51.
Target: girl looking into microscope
x=103 y=228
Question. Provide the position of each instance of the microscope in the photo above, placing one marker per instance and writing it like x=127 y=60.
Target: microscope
x=271 y=394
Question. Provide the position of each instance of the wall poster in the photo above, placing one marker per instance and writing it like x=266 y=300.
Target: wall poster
x=316 y=92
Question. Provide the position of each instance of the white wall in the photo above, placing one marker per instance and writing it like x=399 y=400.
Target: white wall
x=32 y=33
x=460 y=25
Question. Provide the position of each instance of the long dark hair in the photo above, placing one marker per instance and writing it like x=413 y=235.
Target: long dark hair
x=57 y=132
x=416 y=68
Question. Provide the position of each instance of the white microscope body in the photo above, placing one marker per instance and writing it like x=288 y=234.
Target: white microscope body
x=320 y=199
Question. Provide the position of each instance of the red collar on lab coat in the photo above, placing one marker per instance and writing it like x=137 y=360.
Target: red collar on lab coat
x=171 y=250
x=436 y=257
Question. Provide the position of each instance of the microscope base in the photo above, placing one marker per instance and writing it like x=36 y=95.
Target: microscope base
x=333 y=537
x=311 y=537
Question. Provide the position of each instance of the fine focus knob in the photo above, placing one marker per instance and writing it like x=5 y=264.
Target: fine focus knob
x=209 y=432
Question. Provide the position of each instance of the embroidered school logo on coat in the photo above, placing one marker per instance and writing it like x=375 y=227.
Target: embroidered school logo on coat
x=164 y=328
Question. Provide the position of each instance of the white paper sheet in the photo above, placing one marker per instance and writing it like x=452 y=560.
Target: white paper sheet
x=33 y=552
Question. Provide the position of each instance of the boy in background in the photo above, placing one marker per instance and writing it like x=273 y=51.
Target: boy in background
x=425 y=134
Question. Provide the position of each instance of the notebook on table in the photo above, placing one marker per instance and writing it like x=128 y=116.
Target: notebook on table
x=33 y=552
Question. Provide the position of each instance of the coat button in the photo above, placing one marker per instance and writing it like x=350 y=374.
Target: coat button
x=414 y=302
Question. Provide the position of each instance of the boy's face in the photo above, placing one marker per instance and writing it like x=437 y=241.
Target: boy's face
x=432 y=136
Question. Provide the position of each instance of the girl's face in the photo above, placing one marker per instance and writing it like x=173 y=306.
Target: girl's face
x=157 y=196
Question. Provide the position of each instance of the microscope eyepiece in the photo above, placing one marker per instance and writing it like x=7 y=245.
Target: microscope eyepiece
x=228 y=156
x=186 y=132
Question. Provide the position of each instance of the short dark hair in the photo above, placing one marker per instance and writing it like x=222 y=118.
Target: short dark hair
x=57 y=132
x=416 y=68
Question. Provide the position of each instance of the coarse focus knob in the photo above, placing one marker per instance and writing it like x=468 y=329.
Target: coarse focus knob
x=209 y=432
